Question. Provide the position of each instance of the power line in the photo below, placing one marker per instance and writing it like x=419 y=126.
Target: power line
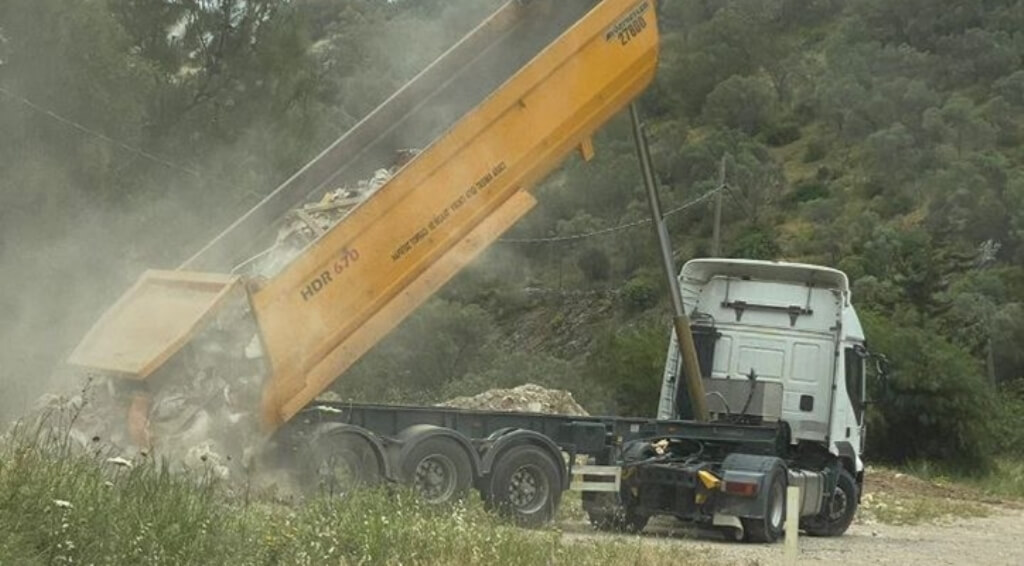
x=613 y=229
x=157 y=159
x=740 y=201
x=98 y=135
x=244 y=193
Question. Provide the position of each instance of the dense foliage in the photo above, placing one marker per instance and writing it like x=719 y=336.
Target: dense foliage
x=883 y=138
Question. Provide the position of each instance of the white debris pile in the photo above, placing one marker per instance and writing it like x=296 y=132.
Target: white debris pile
x=527 y=398
x=199 y=411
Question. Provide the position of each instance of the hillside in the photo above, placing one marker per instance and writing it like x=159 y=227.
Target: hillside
x=877 y=137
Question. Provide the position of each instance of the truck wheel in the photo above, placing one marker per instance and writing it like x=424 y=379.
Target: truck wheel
x=438 y=469
x=525 y=485
x=838 y=513
x=769 y=527
x=343 y=462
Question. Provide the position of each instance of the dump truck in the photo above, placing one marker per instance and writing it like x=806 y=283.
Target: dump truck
x=779 y=401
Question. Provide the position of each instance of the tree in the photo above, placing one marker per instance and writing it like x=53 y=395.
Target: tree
x=742 y=103
x=839 y=103
x=628 y=363
x=441 y=342
x=1011 y=88
x=977 y=55
x=960 y=124
x=908 y=259
x=892 y=155
x=594 y=264
x=968 y=203
x=936 y=404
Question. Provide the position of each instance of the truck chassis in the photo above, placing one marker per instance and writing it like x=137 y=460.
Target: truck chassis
x=721 y=475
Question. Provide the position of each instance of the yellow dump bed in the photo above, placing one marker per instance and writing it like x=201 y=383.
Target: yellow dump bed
x=360 y=279
x=152 y=321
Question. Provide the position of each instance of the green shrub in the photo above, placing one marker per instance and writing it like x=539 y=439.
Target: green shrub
x=809 y=190
x=1009 y=421
x=936 y=405
x=742 y=103
x=782 y=134
x=594 y=264
x=628 y=363
x=755 y=243
x=816 y=151
x=640 y=293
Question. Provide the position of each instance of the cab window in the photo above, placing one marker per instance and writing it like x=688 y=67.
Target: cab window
x=855 y=381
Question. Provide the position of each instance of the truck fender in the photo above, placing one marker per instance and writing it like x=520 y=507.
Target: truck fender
x=329 y=429
x=502 y=441
x=849 y=458
x=413 y=435
x=748 y=468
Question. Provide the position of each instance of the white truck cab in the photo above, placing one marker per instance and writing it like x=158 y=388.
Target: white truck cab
x=776 y=342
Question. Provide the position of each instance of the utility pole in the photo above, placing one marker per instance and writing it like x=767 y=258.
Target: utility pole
x=681 y=322
x=716 y=239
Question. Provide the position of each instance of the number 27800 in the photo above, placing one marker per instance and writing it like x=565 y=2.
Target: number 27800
x=633 y=29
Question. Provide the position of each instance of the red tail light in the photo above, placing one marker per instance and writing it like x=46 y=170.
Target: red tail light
x=740 y=488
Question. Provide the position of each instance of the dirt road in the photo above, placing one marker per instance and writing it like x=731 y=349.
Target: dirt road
x=996 y=539
x=991 y=533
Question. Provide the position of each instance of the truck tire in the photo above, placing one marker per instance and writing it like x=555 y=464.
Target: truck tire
x=439 y=469
x=768 y=528
x=839 y=511
x=341 y=462
x=525 y=485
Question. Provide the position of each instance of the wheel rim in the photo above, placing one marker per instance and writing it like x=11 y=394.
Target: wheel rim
x=837 y=508
x=778 y=502
x=435 y=479
x=528 y=489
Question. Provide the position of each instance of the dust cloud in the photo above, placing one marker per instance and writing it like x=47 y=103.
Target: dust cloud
x=66 y=256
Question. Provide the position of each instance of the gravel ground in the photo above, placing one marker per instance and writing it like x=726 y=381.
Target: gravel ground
x=996 y=539
x=903 y=520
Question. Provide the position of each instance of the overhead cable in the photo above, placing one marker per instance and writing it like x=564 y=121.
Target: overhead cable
x=613 y=229
x=89 y=131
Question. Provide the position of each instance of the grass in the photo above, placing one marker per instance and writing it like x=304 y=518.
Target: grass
x=60 y=505
x=1004 y=481
x=1007 y=480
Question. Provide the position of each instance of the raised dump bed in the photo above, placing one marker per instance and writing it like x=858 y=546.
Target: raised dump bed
x=493 y=116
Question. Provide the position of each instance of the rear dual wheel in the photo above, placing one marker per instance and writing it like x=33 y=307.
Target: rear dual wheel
x=341 y=462
x=525 y=485
x=438 y=469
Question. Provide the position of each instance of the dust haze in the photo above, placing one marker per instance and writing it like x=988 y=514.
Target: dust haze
x=66 y=253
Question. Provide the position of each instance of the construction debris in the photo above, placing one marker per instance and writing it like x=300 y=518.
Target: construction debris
x=304 y=225
x=527 y=398
x=197 y=411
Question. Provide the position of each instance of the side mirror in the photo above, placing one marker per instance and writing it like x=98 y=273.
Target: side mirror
x=881 y=367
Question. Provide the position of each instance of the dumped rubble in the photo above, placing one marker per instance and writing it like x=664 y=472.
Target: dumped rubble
x=307 y=223
x=527 y=398
x=199 y=410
